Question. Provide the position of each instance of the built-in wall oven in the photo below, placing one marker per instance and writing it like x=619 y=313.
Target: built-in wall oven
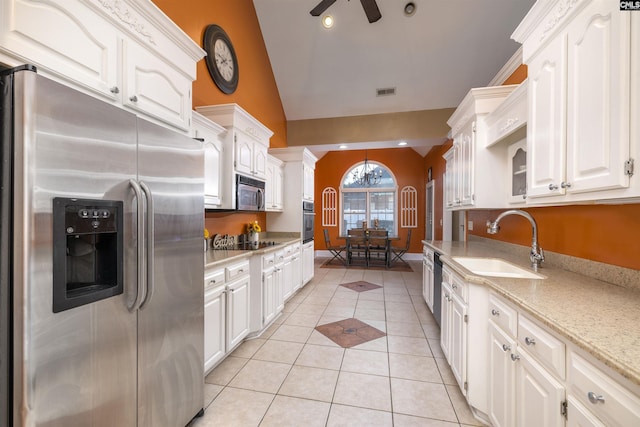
x=249 y=194
x=308 y=216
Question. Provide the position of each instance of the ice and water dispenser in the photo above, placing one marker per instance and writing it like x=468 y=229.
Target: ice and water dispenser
x=87 y=251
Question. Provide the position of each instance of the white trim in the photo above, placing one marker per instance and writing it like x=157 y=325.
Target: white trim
x=508 y=69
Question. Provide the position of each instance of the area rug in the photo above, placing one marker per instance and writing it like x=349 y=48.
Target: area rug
x=396 y=266
x=350 y=332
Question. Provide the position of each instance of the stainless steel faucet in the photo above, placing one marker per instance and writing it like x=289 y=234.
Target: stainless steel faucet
x=537 y=254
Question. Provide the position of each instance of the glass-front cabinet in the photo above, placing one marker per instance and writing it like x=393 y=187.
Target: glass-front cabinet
x=517 y=159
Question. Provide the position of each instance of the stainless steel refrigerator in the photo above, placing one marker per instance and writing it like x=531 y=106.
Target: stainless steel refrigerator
x=101 y=293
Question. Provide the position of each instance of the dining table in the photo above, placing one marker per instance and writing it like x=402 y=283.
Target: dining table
x=350 y=238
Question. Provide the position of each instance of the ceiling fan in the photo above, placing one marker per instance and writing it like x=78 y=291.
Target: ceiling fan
x=370 y=8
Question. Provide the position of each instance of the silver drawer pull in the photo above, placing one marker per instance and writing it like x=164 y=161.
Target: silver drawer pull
x=506 y=347
x=595 y=398
x=212 y=282
x=515 y=357
x=495 y=312
x=529 y=341
x=454 y=286
x=133 y=98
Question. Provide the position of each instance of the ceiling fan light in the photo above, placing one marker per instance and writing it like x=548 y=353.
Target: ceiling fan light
x=410 y=8
x=327 y=21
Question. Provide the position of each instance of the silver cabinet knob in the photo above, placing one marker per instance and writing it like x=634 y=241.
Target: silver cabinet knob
x=515 y=357
x=595 y=398
x=565 y=184
x=529 y=341
x=133 y=98
x=114 y=90
x=454 y=286
x=553 y=187
x=506 y=347
x=495 y=312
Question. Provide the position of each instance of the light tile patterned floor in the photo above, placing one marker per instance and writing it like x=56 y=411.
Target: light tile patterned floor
x=292 y=375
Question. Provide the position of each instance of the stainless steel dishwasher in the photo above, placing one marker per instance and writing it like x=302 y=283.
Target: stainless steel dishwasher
x=437 y=286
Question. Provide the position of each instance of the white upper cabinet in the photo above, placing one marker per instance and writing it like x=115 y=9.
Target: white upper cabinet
x=581 y=58
x=475 y=173
x=127 y=52
x=274 y=186
x=212 y=137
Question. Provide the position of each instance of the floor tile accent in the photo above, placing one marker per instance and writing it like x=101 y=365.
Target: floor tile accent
x=360 y=286
x=349 y=332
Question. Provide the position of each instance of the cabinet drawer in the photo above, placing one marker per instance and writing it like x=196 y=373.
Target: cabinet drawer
x=279 y=256
x=268 y=260
x=459 y=287
x=547 y=349
x=214 y=278
x=503 y=315
x=613 y=404
x=237 y=270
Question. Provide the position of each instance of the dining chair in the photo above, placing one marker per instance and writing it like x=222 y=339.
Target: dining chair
x=336 y=250
x=398 y=251
x=356 y=245
x=378 y=246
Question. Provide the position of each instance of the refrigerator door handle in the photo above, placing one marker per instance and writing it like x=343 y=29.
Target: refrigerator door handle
x=140 y=289
x=150 y=244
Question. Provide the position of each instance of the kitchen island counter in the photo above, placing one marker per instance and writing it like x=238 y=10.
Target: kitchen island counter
x=600 y=318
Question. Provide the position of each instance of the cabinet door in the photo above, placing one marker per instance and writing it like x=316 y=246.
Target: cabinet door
x=269 y=189
x=517 y=178
x=466 y=166
x=598 y=98
x=445 y=320
x=307 y=262
x=153 y=87
x=502 y=378
x=450 y=178
x=65 y=37
x=244 y=154
x=287 y=278
x=212 y=169
x=260 y=160
x=214 y=326
x=546 y=125
x=268 y=296
x=427 y=282
x=238 y=311
x=296 y=271
x=458 y=352
x=278 y=189
x=308 y=184
x=579 y=416
x=538 y=395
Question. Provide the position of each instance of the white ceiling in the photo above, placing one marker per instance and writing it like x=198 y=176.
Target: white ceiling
x=432 y=58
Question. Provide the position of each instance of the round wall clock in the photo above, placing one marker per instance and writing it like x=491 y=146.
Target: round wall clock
x=221 y=58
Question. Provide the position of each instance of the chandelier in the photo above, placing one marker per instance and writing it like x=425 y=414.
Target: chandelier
x=368 y=175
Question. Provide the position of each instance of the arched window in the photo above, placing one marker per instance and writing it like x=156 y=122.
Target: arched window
x=369 y=201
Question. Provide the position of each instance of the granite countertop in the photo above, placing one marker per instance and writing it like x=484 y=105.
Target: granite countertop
x=598 y=317
x=212 y=258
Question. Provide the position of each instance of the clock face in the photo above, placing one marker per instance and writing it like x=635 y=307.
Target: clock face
x=221 y=59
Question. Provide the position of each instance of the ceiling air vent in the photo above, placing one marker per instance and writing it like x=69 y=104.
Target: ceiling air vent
x=387 y=91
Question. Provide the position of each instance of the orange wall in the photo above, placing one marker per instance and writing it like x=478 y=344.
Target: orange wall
x=436 y=162
x=406 y=165
x=257 y=91
x=605 y=233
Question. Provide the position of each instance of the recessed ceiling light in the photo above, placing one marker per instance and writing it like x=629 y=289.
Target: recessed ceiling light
x=327 y=21
x=402 y=143
x=342 y=147
x=410 y=8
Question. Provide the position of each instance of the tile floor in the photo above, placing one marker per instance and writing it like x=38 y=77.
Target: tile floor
x=292 y=375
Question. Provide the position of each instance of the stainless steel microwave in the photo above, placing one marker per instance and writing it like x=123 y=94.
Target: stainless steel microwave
x=249 y=194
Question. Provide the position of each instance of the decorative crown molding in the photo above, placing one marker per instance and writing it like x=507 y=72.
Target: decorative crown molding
x=122 y=12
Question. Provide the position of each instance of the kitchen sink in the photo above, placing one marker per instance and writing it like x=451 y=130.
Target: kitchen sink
x=495 y=267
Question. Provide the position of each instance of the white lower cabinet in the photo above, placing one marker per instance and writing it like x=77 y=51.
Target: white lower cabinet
x=537 y=379
x=215 y=319
x=307 y=262
x=427 y=277
x=539 y=396
x=226 y=310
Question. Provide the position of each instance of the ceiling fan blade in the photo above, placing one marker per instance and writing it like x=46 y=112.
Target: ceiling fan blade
x=371 y=9
x=321 y=7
